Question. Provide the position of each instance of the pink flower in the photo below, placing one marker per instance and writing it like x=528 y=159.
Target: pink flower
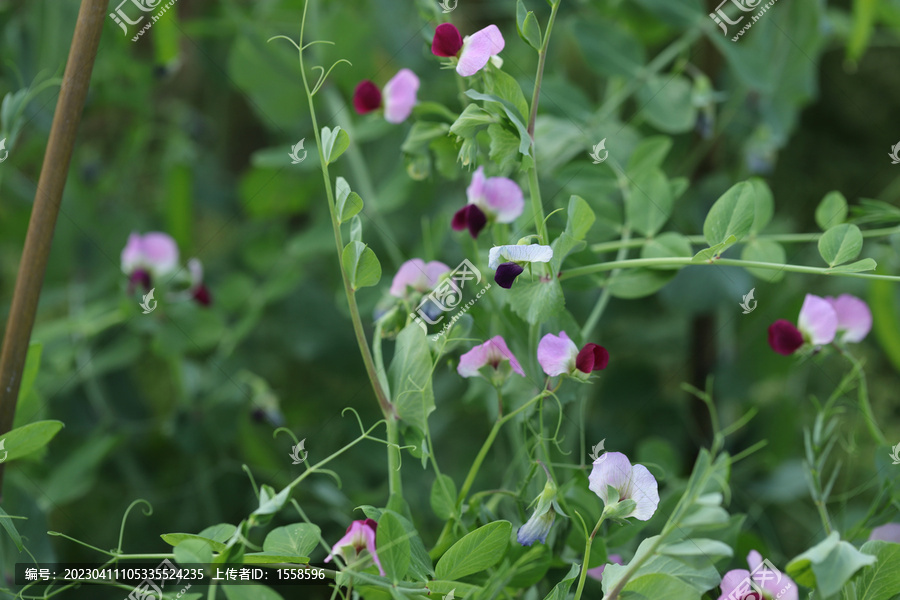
x=418 y=275
x=558 y=355
x=854 y=318
x=153 y=254
x=740 y=584
x=633 y=482
x=819 y=321
x=399 y=96
x=493 y=353
x=490 y=199
x=473 y=52
x=597 y=572
x=360 y=536
x=888 y=533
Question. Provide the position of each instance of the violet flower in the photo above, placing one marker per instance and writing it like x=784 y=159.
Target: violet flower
x=473 y=52
x=819 y=322
x=889 y=532
x=515 y=257
x=490 y=199
x=398 y=98
x=632 y=483
x=558 y=355
x=538 y=526
x=360 y=536
x=741 y=584
x=418 y=275
x=491 y=360
x=148 y=256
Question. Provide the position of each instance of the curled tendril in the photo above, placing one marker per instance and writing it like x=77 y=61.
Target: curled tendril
x=148 y=510
x=284 y=37
x=246 y=470
x=325 y=74
x=556 y=439
x=358 y=420
x=288 y=431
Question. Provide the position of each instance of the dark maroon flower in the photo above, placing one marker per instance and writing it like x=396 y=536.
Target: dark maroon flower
x=139 y=277
x=366 y=97
x=447 y=40
x=471 y=217
x=507 y=273
x=202 y=296
x=784 y=338
x=592 y=357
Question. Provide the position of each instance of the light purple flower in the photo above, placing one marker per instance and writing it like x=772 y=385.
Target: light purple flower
x=558 y=355
x=515 y=256
x=633 y=482
x=817 y=321
x=155 y=252
x=492 y=353
x=400 y=96
x=889 y=532
x=492 y=199
x=740 y=584
x=478 y=48
x=854 y=318
x=538 y=526
x=597 y=572
x=417 y=274
x=360 y=536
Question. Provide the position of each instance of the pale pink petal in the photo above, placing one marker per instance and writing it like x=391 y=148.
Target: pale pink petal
x=597 y=572
x=817 y=320
x=492 y=352
x=644 y=490
x=731 y=581
x=777 y=584
x=478 y=49
x=556 y=354
x=504 y=199
x=412 y=273
x=498 y=351
x=611 y=469
x=132 y=253
x=853 y=315
x=400 y=96
x=888 y=533
x=433 y=272
x=472 y=361
x=369 y=536
x=475 y=191
x=754 y=559
x=160 y=251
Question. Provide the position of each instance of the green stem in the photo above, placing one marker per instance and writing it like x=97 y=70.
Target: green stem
x=587 y=556
x=727 y=262
x=864 y=404
x=605 y=295
x=537 y=206
x=387 y=408
x=784 y=238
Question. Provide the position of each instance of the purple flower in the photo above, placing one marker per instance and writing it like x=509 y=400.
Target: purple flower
x=632 y=482
x=494 y=354
x=597 y=572
x=490 y=199
x=888 y=533
x=146 y=256
x=558 y=355
x=360 y=536
x=538 y=526
x=515 y=256
x=399 y=96
x=784 y=338
x=473 y=52
x=854 y=318
x=740 y=584
x=198 y=290
x=418 y=275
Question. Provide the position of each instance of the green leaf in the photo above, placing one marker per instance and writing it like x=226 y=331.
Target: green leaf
x=511 y=113
x=347 y=203
x=828 y=565
x=640 y=282
x=866 y=264
x=865 y=13
x=421 y=134
x=393 y=546
x=334 y=143
x=649 y=154
x=502 y=85
x=763 y=204
x=763 y=250
x=475 y=552
x=840 y=244
x=649 y=203
x=267 y=558
x=732 y=214
x=581 y=217
x=443 y=497
x=221 y=532
x=297 y=540
x=30 y=370
x=24 y=440
x=657 y=585
x=356 y=229
x=194 y=551
x=504 y=149
x=881 y=580
x=832 y=210
x=538 y=300
x=174 y=539
x=697 y=547
x=667 y=245
x=560 y=591
x=270 y=502
x=472 y=120
x=708 y=254
x=410 y=377
x=527 y=26
x=10 y=528
x=361 y=264
x=666 y=103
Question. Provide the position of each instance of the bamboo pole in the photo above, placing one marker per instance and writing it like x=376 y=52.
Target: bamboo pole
x=47 y=199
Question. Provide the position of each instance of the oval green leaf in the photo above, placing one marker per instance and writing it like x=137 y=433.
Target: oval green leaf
x=667 y=245
x=361 y=264
x=475 y=552
x=347 y=203
x=732 y=214
x=649 y=203
x=297 y=540
x=392 y=542
x=832 y=210
x=334 y=143
x=443 y=497
x=28 y=438
x=763 y=250
x=840 y=244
